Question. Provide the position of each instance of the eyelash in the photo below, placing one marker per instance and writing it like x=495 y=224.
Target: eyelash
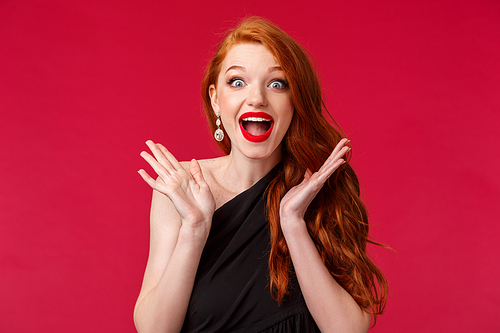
x=283 y=82
x=231 y=81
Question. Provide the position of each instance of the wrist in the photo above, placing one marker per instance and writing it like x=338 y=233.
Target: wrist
x=194 y=234
x=291 y=226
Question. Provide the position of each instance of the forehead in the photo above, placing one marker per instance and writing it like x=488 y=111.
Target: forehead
x=249 y=55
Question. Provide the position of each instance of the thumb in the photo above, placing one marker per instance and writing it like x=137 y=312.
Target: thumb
x=307 y=175
x=195 y=170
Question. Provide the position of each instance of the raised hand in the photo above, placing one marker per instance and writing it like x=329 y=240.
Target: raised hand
x=294 y=204
x=188 y=191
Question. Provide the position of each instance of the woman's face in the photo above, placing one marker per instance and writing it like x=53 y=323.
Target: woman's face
x=254 y=101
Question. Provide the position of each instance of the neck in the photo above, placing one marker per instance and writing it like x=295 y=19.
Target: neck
x=241 y=173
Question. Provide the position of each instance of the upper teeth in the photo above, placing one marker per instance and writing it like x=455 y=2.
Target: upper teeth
x=255 y=119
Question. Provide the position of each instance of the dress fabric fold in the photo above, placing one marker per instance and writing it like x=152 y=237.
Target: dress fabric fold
x=231 y=291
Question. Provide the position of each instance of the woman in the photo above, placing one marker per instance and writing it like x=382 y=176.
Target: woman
x=271 y=237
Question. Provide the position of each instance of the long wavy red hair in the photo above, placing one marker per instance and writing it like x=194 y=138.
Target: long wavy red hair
x=337 y=219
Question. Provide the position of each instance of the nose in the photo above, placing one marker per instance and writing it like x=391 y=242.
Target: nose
x=257 y=96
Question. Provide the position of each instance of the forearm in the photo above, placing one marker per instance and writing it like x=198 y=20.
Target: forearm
x=164 y=308
x=333 y=309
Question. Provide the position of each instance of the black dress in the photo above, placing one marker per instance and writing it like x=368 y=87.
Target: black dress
x=231 y=290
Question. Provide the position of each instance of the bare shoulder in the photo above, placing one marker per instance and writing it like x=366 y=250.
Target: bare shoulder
x=209 y=168
x=212 y=170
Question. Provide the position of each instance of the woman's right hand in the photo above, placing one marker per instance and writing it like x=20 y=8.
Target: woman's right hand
x=188 y=191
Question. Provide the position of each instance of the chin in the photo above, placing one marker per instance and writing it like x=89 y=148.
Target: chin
x=262 y=152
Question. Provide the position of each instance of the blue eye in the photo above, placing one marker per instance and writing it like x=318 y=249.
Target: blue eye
x=238 y=83
x=278 y=84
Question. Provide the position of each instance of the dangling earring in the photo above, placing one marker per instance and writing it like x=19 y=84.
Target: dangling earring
x=218 y=134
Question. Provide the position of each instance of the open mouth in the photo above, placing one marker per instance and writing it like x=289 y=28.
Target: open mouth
x=256 y=126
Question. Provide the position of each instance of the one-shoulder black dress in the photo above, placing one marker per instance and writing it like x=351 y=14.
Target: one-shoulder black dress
x=231 y=290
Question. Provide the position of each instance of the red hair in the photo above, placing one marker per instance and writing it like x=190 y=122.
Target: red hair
x=337 y=219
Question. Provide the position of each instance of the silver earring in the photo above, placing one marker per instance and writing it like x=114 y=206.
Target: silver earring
x=218 y=134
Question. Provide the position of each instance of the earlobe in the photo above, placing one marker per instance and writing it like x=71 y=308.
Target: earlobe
x=212 y=91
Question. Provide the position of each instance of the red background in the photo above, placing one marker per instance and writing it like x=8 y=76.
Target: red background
x=83 y=84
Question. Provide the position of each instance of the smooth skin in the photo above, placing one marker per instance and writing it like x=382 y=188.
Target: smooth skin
x=185 y=196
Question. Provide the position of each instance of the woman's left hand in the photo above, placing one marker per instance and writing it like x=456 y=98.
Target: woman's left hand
x=294 y=204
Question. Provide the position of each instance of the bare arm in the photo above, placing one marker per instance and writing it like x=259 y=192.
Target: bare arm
x=333 y=309
x=181 y=214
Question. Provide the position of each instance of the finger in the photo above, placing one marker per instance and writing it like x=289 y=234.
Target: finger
x=307 y=175
x=157 y=152
x=332 y=163
x=329 y=170
x=341 y=144
x=343 y=152
x=160 y=157
x=157 y=167
x=341 y=148
x=196 y=173
x=344 y=147
x=171 y=158
x=335 y=156
x=344 y=142
x=147 y=178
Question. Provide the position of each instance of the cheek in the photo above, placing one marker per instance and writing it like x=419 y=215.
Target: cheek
x=226 y=102
x=288 y=110
x=228 y=108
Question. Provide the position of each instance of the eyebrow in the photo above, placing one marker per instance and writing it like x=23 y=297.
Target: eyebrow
x=243 y=69
x=275 y=69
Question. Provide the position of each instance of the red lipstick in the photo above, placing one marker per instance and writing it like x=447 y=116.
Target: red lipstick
x=256 y=138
